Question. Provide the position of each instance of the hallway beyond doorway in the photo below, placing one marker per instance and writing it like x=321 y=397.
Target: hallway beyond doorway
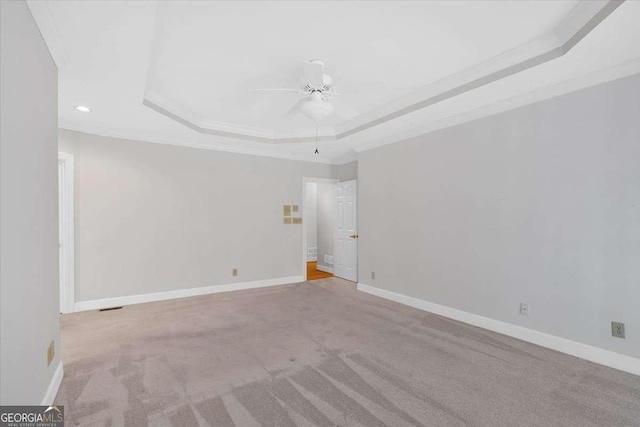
x=314 y=274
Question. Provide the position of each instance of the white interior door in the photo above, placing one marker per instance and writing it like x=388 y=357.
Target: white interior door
x=345 y=259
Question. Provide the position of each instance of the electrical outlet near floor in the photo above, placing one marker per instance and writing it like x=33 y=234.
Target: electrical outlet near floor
x=524 y=309
x=373 y=275
x=234 y=272
x=617 y=329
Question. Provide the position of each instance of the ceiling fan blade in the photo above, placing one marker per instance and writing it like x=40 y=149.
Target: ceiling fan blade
x=313 y=73
x=361 y=88
x=343 y=110
x=295 y=110
x=277 y=90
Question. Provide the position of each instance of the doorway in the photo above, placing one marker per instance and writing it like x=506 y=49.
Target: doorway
x=318 y=228
x=329 y=239
x=66 y=232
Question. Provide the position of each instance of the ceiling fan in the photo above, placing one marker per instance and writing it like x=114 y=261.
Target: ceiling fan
x=319 y=89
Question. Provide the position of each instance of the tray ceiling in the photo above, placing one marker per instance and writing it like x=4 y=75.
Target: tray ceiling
x=182 y=72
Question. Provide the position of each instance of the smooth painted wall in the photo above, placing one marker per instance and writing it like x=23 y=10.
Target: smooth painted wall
x=345 y=172
x=538 y=205
x=311 y=216
x=29 y=301
x=325 y=216
x=152 y=217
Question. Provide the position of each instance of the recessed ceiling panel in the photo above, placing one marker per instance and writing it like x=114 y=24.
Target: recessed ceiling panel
x=423 y=66
x=208 y=56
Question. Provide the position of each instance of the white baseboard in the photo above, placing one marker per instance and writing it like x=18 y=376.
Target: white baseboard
x=324 y=268
x=563 y=345
x=312 y=258
x=182 y=293
x=54 y=385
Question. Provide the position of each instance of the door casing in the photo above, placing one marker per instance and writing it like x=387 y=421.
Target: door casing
x=306 y=180
x=66 y=232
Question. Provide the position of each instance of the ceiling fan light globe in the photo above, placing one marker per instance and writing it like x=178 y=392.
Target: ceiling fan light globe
x=316 y=96
x=316 y=110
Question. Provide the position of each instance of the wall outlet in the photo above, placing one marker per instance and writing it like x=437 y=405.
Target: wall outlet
x=617 y=329
x=234 y=272
x=373 y=275
x=51 y=353
x=524 y=309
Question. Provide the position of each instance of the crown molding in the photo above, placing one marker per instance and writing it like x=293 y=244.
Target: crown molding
x=349 y=157
x=610 y=74
x=137 y=135
x=181 y=114
x=581 y=20
x=574 y=27
x=44 y=19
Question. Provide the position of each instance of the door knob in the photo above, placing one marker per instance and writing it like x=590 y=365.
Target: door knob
x=354 y=236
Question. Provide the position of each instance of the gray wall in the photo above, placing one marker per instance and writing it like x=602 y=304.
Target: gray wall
x=538 y=205
x=325 y=221
x=152 y=217
x=345 y=172
x=29 y=300
x=311 y=215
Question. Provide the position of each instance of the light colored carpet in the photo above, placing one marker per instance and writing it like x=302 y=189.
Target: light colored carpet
x=321 y=354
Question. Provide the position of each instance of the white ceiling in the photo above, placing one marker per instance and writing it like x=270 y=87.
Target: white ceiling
x=207 y=55
x=181 y=72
